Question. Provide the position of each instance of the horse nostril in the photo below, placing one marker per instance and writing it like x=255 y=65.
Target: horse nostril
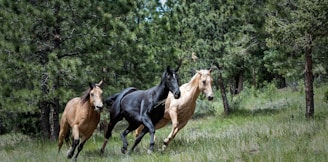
x=210 y=98
x=177 y=95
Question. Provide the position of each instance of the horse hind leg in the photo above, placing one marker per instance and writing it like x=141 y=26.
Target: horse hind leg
x=67 y=138
x=63 y=133
x=138 y=131
x=108 y=134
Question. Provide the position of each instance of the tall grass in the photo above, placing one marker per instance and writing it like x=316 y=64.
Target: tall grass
x=266 y=125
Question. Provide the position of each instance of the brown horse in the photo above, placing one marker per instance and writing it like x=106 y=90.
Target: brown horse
x=180 y=110
x=82 y=114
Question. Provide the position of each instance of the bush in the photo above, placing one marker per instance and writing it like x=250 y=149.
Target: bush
x=23 y=122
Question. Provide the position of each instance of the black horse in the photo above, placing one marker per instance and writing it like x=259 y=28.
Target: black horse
x=138 y=107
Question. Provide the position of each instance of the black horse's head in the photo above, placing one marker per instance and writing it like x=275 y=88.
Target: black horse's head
x=171 y=79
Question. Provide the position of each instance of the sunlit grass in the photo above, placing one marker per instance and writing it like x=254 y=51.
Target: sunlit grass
x=261 y=129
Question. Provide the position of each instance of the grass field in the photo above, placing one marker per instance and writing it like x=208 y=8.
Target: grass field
x=265 y=126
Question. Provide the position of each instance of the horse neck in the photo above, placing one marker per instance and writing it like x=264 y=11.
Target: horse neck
x=89 y=107
x=193 y=87
x=160 y=91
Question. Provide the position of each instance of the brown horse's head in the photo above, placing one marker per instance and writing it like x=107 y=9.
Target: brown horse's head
x=205 y=83
x=95 y=96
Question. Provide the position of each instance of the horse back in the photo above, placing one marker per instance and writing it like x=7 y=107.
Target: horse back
x=116 y=99
x=72 y=106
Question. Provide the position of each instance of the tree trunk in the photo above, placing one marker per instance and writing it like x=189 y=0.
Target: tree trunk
x=55 y=120
x=254 y=77
x=281 y=81
x=223 y=95
x=56 y=107
x=309 y=80
x=45 y=126
x=240 y=81
x=223 y=92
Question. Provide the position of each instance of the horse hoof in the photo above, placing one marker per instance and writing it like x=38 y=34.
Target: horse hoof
x=69 y=154
x=163 y=147
x=123 y=150
x=102 y=151
x=149 y=151
x=74 y=160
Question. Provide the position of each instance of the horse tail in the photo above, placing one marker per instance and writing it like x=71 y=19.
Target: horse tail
x=110 y=100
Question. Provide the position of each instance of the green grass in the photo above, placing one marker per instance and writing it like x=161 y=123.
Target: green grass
x=265 y=126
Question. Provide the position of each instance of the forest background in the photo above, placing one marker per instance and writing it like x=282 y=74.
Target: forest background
x=50 y=50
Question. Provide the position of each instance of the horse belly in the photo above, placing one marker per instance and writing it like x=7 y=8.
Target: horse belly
x=132 y=117
x=185 y=111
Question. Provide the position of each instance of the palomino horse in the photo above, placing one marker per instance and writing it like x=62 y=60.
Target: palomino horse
x=82 y=114
x=179 y=111
x=137 y=107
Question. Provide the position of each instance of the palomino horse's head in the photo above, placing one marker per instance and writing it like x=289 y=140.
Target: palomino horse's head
x=205 y=83
x=95 y=96
x=171 y=81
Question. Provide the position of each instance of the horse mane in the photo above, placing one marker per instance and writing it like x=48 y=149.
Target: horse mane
x=85 y=96
x=163 y=77
x=194 y=79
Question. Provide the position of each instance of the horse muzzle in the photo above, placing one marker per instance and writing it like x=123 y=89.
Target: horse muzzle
x=99 y=109
x=210 y=98
x=177 y=95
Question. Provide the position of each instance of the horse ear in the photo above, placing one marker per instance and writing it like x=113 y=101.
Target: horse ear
x=210 y=69
x=99 y=84
x=90 y=85
x=179 y=64
x=168 y=71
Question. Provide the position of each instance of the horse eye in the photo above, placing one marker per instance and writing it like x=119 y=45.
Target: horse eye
x=204 y=81
x=92 y=94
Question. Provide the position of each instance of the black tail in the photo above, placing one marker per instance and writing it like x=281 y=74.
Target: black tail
x=110 y=100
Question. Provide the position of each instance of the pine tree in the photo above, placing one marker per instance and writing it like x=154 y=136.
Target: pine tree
x=294 y=26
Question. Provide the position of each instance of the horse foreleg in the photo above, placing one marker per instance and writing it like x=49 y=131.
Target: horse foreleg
x=80 y=147
x=71 y=151
x=174 y=118
x=76 y=141
x=149 y=125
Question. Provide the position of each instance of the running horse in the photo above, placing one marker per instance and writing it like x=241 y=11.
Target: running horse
x=179 y=111
x=138 y=107
x=82 y=114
